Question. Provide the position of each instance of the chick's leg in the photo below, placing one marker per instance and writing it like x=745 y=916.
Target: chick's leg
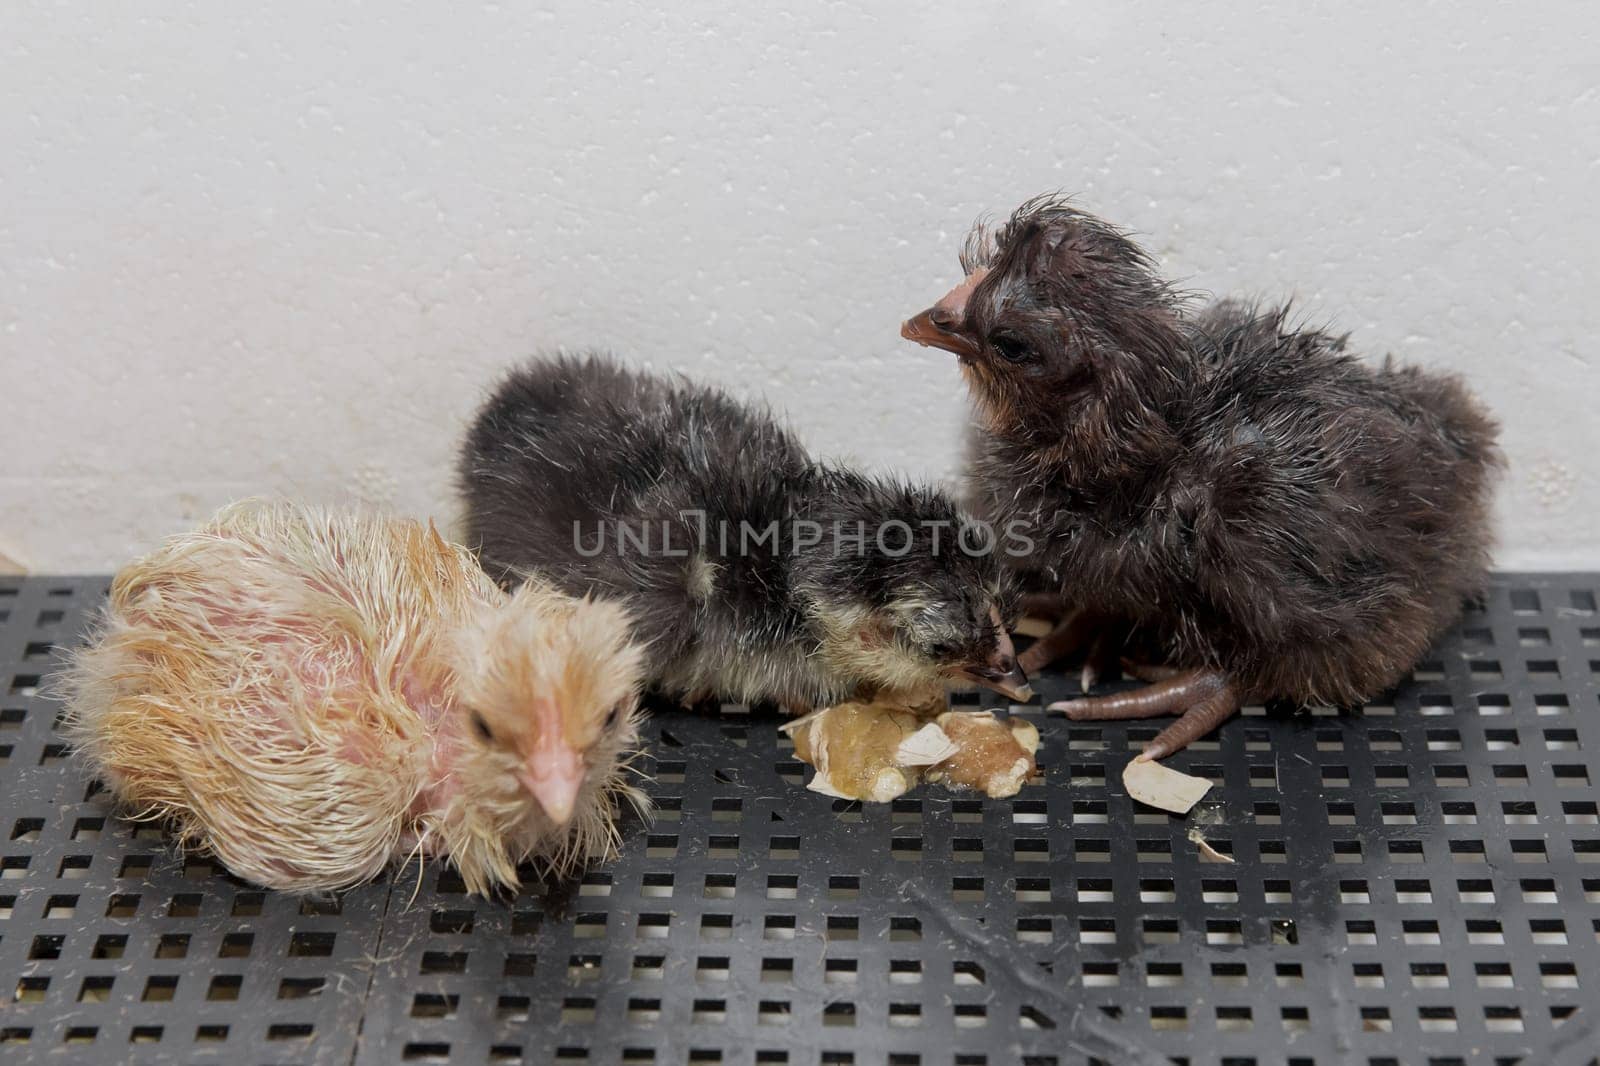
x=1203 y=699
x=1150 y=671
x=1070 y=634
x=1050 y=606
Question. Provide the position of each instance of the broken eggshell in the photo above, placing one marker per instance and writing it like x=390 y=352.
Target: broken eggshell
x=879 y=751
x=866 y=751
x=992 y=756
x=1161 y=786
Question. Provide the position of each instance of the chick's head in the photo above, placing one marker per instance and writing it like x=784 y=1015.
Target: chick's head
x=920 y=599
x=1057 y=311
x=957 y=633
x=549 y=686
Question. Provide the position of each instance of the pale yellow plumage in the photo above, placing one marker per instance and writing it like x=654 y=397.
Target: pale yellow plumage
x=295 y=691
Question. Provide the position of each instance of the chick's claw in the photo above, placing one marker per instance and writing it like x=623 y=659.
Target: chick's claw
x=1105 y=655
x=1202 y=698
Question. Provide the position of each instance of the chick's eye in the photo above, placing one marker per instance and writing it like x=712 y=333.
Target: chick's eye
x=614 y=717
x=1012 y=348
x=482 y=727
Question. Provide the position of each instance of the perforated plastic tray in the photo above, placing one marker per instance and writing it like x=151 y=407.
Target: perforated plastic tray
x=1418 y=882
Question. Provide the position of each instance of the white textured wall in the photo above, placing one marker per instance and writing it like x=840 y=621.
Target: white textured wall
x=282 y=247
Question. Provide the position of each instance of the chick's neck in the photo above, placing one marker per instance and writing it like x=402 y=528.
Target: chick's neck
x=839 y=581
x=1119 y=434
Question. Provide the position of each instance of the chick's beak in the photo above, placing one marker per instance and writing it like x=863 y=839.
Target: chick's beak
x=553 y=775
x=1001 y=671
x=1013 y=684
x=943 y=324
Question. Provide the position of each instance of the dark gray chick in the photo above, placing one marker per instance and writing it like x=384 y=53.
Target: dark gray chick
x=1281 y=520
x=754 y=572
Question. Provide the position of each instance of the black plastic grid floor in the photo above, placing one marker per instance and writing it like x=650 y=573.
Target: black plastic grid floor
x=1417 y=883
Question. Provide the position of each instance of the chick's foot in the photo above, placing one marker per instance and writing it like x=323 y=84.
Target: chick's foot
x=1203 y=699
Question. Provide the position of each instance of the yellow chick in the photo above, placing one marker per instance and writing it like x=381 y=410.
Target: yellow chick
x=314 y=696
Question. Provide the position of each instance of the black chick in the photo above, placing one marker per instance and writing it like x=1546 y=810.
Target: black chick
x=1280 y=520
x=752 y=571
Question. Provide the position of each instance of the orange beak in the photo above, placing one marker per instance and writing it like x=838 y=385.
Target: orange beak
x=554 y=772
x=943 y=324
x=554 y=777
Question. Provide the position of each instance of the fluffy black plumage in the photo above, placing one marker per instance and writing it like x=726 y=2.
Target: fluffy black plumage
x=1279 y=518
x=570 y=452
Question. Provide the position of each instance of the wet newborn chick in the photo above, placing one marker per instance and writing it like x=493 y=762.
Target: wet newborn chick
x=1280 y=519
x=314 y=696
x=753 y=572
